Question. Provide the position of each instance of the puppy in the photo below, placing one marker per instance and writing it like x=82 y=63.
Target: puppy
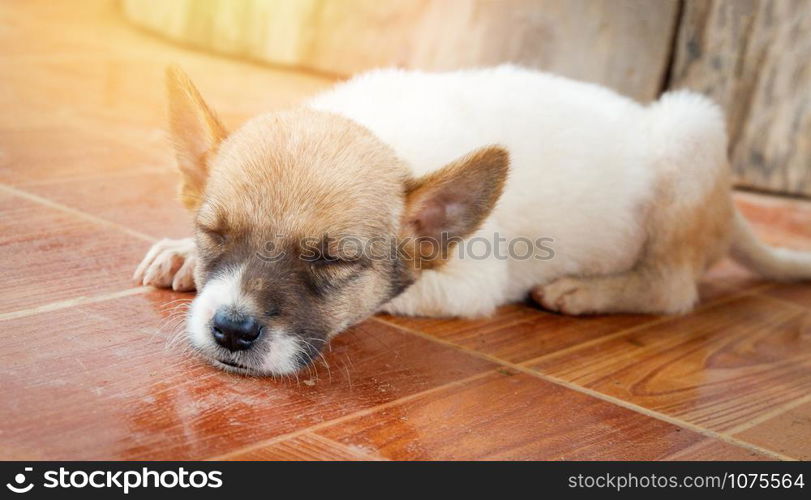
x=458 y=192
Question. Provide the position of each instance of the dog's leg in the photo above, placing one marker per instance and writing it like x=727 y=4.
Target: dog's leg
x=169 y=263
x=683 y=239
x=638 y=291
x=688 y=222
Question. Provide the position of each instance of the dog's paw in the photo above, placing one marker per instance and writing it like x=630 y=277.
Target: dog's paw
x=169 y=263
x=567 y=296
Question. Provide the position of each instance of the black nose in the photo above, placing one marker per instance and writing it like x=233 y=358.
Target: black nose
x=235 y=333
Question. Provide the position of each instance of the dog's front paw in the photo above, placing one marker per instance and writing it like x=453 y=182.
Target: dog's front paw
x=567 y=296
x=169 y=263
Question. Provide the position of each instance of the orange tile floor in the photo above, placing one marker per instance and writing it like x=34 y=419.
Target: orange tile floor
x=88 y=369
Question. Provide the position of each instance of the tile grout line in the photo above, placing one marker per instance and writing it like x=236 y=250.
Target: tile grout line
x=780 y=410
x=604 y=397
x=754 y=291
x=361 y=455
x=78 y=213
x=798 y=307
x=721 y=436
x=78 y=301
x=313 y=429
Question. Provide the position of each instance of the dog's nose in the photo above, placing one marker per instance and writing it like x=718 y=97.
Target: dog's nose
x=235 y=333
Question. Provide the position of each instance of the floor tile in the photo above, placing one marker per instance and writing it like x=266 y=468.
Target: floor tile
x=100 y=390
x=788 y=433
x=714 y=449
x=48 y=255
x=797 y=293
x=511 y=416
x=306 y=447
x=518 y=333
x=717 y=368
x=58 y=152
x=144 y=201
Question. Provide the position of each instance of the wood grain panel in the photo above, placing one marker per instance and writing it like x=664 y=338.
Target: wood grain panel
x=518 y=333
x=752 y=57
x=307 y=447
x=713 y=449
x=508 y=416
x=788 y=433
x=797 y=293
x=717 y=368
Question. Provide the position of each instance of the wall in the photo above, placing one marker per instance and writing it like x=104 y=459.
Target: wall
x=751 y=56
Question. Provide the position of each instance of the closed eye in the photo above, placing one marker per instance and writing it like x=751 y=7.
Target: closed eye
x=333 y=272
x=334 y=265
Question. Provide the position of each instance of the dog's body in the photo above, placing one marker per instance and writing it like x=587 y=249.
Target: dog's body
x=579 y=174
x=632 y=202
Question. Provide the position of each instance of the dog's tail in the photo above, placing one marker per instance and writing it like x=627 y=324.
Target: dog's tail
x=781 y=264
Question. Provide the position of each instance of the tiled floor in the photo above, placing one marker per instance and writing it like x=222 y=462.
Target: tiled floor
x=89 y=365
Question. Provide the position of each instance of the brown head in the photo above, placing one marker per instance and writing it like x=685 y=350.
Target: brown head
x=306 y=223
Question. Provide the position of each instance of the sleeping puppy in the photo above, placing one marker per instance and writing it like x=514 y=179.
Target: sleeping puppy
x=444 y=195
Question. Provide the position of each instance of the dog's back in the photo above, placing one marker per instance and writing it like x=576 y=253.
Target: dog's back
x=609 y=180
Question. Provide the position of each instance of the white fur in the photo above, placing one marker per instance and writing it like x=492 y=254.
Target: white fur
x=583 y=161
x=224 y=290
x=281 y=357
x=169 y=263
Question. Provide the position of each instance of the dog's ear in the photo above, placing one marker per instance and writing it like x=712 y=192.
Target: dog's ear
x=196 y=133
x=444 y=206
